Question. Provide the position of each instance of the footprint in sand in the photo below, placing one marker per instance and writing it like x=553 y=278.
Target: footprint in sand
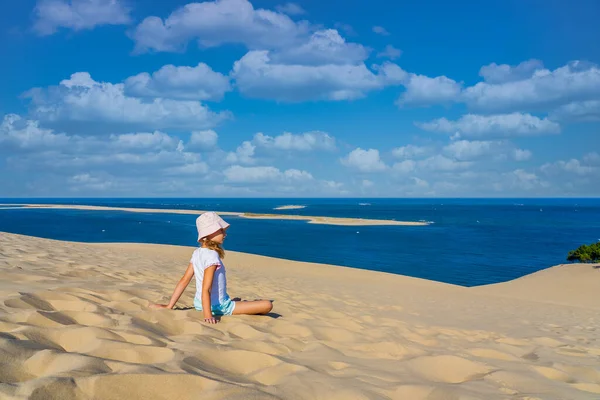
x=335 y=334
x=46 y=319
x=412 y=392
x=448 y=369
x=134 y=338
x=284 y=328
x=513 y=341
x=420 y=339
x=28 y=302
x=278 y=373
x=71 y=338
x=50 y=301
x=553 y=374
x=523 y=383
x=274 y=349
x=6 y=326
x=338 y=365
x=89 y=318
x=123 y=306
x=160 y=385
x=52 y=363
x=581 y=373
x=132 y=353
x=548 y=342
x=56 y=319
x=573 y=351
x=162 y=324
x=492 y=354
x=14 y=354
x=587 y=387
x=244 y=331
x=232 y=364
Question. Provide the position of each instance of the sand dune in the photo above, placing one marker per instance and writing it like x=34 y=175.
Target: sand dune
x=74 y=324
x=569 y=284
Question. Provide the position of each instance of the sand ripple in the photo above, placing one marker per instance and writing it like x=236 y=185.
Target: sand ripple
x=73 y=330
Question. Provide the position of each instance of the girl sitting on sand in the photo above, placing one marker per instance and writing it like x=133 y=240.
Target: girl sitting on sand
x=211 y=282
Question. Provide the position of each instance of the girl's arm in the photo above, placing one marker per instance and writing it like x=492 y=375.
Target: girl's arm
x=179 y=289
x=207 y=281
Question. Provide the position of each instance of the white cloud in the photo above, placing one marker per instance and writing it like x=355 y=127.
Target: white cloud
x=592 y=158
x=521 y=155
x=578 y=111
x=572 y=166
x=97 y=160
x=390 y=52
x=521 y=180
x=465 y=150
x=346 y=28
x=470 y=150
x=410 y=151
x=290 y=9
x=20 y=134
x=185 y=83
x=391 y=74
x=365 y=183
x=422 y=90
x=380 y=30
x=257 y=76
x=82 y=99
x=39 y=161
x=364 y=160
x=90 y=182
x=195 y=168
x=494 y=73
x=436 y=163
x=144 y=141
x=239 y=174
x=50 y=15
x=244 y=154
x=297 y=175
x=441 y=163
x=213 y=23
x=15 y=132
x=333 y=185
x=405 y=166
x=203 y=139
x=525 y=87
x=420 y=183
x=322 y=48
x=576 y=81
x=503 y=125
x=303 y=142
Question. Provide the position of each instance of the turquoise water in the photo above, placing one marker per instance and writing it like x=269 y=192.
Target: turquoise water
x=470 y=241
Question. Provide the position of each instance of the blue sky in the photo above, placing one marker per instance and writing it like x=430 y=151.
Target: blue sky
x=306 y=99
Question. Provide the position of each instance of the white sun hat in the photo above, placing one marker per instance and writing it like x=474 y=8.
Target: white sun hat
x=208 y=223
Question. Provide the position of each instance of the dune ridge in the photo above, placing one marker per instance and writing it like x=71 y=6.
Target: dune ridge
x=74 y=324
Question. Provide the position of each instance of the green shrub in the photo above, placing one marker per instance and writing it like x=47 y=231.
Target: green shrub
x=586 y=253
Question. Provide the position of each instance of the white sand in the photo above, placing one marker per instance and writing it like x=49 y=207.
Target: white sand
x=309 y=219
x=74 y=325
x=289 y=207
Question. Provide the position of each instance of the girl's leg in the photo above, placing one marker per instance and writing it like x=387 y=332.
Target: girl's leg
x=252 y=307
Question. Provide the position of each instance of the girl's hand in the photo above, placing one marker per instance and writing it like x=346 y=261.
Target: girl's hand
x=211 y=320
x=159 y=306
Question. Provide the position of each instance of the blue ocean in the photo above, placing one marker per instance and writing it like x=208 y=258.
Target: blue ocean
x=469 y=242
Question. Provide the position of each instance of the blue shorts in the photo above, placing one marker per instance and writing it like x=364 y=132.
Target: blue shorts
x=225 y=308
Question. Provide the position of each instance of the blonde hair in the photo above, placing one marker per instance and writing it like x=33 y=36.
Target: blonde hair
x=209 y=244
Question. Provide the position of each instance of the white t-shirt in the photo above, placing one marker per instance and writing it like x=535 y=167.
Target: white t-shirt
x=203 y=258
